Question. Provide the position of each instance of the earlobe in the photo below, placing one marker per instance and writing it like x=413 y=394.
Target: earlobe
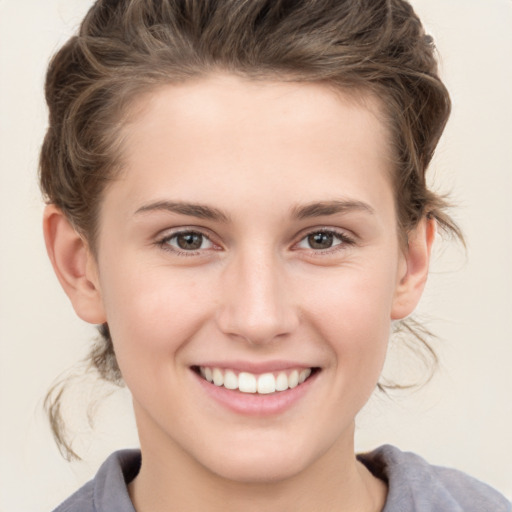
x=74 y=265
x=414 y=275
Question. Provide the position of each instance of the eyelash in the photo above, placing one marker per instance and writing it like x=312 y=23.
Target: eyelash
x=344 y=241
x=164 y=243
x=342 y=237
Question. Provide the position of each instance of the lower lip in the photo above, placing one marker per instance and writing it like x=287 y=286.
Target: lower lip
x=255 y=404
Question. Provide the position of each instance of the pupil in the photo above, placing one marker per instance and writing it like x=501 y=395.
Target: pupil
x=190 y=241
x=320 y=240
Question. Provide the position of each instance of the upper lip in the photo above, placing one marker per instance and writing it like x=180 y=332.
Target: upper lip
x=256 y=367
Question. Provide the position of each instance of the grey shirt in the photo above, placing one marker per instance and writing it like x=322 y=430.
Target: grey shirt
x=414 y=485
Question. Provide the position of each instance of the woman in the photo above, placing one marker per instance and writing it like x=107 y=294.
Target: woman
x=236 y=195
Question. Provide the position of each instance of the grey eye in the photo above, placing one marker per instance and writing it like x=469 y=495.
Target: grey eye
x=323 y=240
x=189 y=241
x=320 y=240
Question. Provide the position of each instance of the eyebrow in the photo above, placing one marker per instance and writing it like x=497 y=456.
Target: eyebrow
x=194 y=210
x=311 y=210
x=330 y=208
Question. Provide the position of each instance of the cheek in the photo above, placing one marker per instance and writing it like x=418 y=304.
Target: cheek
x=354 y=316
x=152 y=312
x=359 y=299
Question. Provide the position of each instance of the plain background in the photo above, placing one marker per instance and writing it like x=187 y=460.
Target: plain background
x=463 y=418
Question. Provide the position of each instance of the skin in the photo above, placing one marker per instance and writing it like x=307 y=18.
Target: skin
x=255 y=290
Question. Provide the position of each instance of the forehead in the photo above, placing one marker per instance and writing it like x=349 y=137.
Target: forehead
x=296 y=140
x=234 y=102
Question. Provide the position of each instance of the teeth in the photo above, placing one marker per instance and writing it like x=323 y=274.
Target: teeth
x=304 y=374
x=293 y=379
x=266 y=384
x=230 y=380
x=218 y=377
x=282 y=382
x=246 y=382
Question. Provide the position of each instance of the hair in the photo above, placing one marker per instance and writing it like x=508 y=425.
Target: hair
x=126 y=48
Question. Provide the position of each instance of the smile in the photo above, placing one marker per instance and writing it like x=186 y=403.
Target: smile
x=245 y=382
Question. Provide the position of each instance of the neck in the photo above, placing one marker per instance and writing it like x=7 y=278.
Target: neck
x=173 y=480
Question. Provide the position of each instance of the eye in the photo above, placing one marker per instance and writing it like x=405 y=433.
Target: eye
x=187 y=241
x=322 y=240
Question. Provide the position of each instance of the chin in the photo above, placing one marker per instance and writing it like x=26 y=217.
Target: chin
x=258 y=462
x=259 y=471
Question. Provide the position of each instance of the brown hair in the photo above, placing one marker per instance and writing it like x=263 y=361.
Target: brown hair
x=128 y=47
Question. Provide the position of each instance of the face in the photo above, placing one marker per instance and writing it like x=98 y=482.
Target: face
x=251 y=239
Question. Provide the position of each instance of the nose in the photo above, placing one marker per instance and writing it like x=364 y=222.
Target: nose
x=257 y=305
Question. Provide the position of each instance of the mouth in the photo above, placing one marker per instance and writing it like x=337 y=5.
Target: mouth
x=255 y=384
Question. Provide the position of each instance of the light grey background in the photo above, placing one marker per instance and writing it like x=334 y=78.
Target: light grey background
x=463 y=418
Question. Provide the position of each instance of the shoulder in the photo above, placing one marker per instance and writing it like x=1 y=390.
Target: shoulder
x=416 y=485
x=81 y=500
x=107 y=492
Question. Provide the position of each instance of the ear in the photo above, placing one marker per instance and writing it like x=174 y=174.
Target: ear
x=413 y=271
x=74 y=265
